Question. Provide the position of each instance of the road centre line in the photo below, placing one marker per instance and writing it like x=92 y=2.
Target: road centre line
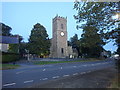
x=44 y=69
x=75 y=73
x=28 y=81
x=56 y=77
x=66 y=75
x=20 y=72
x=9 y=84
x=84 y=65
x=89 y=71
x=74 y=66
x=98 y=63
x=61 y=68
x=82 y=72
x=44 y=78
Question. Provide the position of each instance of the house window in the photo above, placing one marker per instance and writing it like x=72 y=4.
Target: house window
x=61 y=26
x=62 y=50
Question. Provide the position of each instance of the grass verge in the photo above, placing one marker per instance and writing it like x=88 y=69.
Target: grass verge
x=8 y=66
x=115 y=82
x=54 y=62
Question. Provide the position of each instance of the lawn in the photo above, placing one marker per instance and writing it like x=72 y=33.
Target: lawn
x=54 y=62
x=8 y=66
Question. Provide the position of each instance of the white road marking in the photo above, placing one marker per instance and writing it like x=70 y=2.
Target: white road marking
x=89 y=71
x=28 y=81
x=44 y=69
x=98 y=63
x=74 y=66
x=66 y=75
x=9 y=84
x=82 y=72
x=92 y=64
x=56 y=77
x=61 y=68
x=44 y=78
x=20 y=72
x=84 y=65
x=75 y=73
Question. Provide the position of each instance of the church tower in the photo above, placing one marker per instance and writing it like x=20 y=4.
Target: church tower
x=59 y=37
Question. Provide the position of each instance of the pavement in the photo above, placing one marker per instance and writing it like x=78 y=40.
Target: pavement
x=29 y=75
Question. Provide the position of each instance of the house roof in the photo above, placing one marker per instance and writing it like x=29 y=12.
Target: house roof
x=9 y=39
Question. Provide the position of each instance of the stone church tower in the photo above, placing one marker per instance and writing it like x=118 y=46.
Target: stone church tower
x=59 y=38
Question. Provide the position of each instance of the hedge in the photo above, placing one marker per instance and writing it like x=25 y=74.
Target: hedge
x=9 y=57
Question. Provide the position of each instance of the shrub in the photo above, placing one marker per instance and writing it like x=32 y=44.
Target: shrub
x=9 y=57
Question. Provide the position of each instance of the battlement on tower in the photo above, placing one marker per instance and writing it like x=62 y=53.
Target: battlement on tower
x=59 y=17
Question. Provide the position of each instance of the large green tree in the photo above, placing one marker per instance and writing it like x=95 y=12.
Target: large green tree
x=39 y=42
x=95 y=19
x=75 y=43
x=91 y=43
x=99 y=14
x=118 y=40
x=5 y=29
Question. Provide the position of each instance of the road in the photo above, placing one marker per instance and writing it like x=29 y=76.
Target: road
x=28 y=75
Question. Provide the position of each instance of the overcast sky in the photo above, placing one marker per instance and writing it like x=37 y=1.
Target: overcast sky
x=21 y=16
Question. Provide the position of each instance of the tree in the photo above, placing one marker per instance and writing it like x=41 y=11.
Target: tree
x=39 y=42
x=5 y=29
x=101 y=18
x=16 y=48
x=13 y=48
x=74 y=42
x=96 y=24
x=118 y=40
x=23 y=48
x=91 y=42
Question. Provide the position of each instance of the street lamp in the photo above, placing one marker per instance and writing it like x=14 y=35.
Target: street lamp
x=28 y=57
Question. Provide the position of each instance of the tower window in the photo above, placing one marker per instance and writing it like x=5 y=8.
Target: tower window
x=61 y=26
x=62 y=50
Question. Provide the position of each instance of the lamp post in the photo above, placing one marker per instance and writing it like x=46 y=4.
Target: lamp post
x=28 y=56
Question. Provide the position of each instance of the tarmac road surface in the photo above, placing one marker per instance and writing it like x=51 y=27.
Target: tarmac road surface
x=29 y=75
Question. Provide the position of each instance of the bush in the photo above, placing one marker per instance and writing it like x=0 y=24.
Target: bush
x=9 y=57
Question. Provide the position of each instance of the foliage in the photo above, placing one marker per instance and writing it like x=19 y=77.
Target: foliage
x=13 y=48
x=91 y=42
x=5 y=29
x=118 y=40
x=96 y=24
x=9 y=57
x=99 y=14
x=74 y=42
x=39 y=42
x=22 y=48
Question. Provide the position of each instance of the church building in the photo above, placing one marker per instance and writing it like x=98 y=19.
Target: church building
x=59 y=46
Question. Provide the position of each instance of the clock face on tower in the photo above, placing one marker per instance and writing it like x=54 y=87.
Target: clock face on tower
x=62 y=34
